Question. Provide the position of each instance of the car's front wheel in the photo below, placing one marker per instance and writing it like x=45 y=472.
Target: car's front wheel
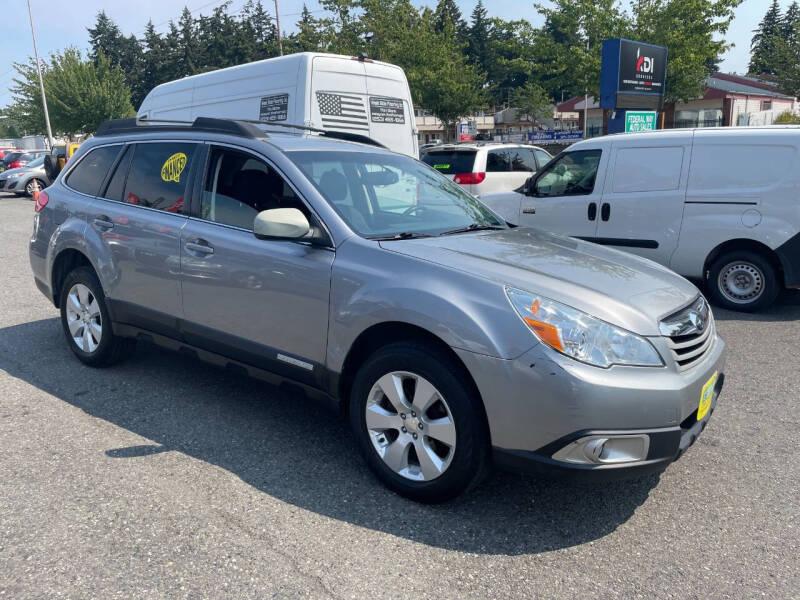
x=419 y=423
x=86 y=322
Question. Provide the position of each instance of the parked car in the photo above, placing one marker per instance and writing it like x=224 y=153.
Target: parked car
x=354 y=95
x=15 y=160
x=3 y=152
x=718 y=205
x=450 y=340
x=483 y=167
x=23 y=180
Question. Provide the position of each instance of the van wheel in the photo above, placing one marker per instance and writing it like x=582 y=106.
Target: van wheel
x=743 y=280
x=86 y=322
x=418 y=423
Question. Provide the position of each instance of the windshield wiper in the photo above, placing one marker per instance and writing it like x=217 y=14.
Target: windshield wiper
x=472 y=227
x=403 y=235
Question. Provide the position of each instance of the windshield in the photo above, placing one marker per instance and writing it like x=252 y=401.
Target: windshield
x=388 y=195
x=37 y=162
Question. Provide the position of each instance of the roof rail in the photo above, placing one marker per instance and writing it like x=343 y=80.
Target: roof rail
x=206 y=124
x=339 y=135
x=240 y=127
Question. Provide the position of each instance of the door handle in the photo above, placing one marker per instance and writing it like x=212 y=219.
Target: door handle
x=592 y=211
x=199 y=247
x=529 y=211
x=605 y=211
x=103 y=222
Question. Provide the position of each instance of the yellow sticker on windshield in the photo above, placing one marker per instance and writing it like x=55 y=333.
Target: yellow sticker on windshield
x=173 y=167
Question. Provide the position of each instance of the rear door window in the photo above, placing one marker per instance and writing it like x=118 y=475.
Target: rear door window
x=159 y=174
x=522 y=159
x=498 y=161
x=88 y=175
x=451 y=162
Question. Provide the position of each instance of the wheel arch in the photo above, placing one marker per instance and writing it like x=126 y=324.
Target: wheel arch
x=383 y=334
x=66 y=261
x=743 y=244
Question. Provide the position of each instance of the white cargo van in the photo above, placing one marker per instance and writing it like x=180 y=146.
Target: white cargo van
x=722 y=205
x=328 y=91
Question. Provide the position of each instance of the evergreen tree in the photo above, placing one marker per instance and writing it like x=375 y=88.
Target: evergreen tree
x=448 y=17
x=308 y=37
x=762 y=46
x=790 y=22
x=106 y=38
x=153 y=60
x=479 y=33
x=188 y=46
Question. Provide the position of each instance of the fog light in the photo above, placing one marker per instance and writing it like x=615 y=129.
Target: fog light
x=605 y=449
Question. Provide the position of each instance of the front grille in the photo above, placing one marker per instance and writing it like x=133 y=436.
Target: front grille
x=12 y=185
x=689 y=349
x=689 y=333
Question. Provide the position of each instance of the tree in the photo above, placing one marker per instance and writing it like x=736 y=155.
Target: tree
x=106 y=38
x=790 y=24
x=188 y=46
x=448 y=18
x=787 y=61
x=479 y=35
x=309 y=36
x=532 y=101
x=762 y=46
x=694 y=34
x=81 y=93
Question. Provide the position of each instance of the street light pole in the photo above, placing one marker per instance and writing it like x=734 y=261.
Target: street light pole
x=278 y=24
x=41 y=81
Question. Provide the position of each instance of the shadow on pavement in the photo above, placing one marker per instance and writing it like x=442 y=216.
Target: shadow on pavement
x=786 y=308
x=300 y=451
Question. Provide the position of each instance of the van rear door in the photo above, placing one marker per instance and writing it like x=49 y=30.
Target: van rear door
x=391 y=114
x=338 y=95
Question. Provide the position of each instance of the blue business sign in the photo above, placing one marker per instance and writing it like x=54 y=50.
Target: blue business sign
x=633 y=75
x=554 y=137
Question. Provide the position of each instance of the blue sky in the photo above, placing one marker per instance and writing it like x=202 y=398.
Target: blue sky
x=61 y=24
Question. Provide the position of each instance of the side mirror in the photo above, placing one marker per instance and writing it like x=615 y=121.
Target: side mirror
x=530 y=185
x=281 y=224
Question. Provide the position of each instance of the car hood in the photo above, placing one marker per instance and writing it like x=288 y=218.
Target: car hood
x=621 y=288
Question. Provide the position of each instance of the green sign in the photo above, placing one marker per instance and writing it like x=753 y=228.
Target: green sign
x=644 y=120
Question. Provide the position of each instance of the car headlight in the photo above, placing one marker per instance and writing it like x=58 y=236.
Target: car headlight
x=580 y=335
x=14 y=176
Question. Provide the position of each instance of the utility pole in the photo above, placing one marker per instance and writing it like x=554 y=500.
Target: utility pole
x=278 y=23
x=41 y=81
x=586 y=102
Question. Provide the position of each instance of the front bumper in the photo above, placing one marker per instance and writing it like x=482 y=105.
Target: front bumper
x=666 y=445
x=541 y=402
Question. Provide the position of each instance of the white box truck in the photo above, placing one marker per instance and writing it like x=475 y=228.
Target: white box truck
x=328 y=91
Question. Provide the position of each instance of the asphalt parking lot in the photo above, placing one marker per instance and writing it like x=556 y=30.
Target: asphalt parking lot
x=164 y=477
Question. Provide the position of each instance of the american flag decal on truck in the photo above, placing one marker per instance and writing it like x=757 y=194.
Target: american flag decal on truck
x=342 y=112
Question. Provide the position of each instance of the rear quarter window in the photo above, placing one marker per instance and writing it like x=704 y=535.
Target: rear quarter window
x=451 y=162
x=88 y=175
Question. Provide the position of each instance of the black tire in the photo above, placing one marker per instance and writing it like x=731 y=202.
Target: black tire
x=469 y=462
x=29 y=185
x=753 y=265
x=110 y=348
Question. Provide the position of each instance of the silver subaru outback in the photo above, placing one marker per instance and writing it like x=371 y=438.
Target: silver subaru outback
x=451 y=341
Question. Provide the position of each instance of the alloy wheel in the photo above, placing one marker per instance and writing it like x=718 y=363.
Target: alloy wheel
x=84 y=319
x=410 y=426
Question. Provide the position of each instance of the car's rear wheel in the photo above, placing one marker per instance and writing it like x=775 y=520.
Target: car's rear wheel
x=86 y=322
x=743 y=280
x=34 y=184
x=419 y=423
